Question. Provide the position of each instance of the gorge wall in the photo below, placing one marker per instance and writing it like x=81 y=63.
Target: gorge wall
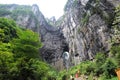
x=30 y=17
x=83 y=30
x=86 y=26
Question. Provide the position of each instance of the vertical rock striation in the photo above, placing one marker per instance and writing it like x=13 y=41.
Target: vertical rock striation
x=30 y=17
x=86 y=26
x=83 y=30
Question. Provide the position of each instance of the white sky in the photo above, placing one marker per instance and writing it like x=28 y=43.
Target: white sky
x=49 y=8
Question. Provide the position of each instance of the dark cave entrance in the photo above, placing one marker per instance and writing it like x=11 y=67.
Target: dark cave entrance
x=66 y=48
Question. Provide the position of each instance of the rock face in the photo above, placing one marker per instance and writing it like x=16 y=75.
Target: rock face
x=30 y=17
x=86 y=26
x=83 y=30
x=53 y=40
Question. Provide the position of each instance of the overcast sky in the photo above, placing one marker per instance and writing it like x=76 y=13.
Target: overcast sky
x=49 y=8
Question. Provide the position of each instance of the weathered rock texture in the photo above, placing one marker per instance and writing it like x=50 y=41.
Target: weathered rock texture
x=87 y=27
x=83 y=30
x=30 y=17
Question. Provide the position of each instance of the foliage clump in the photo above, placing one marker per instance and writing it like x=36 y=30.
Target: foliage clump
x=19 y=54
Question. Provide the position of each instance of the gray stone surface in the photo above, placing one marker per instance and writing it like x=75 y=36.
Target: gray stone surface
x=30 y=17
x=83 y=30
x=87 y=28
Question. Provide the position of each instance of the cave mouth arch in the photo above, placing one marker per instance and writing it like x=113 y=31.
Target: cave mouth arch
x=66 y=48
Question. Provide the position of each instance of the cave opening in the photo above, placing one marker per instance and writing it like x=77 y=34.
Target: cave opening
x=66 y=48
x=76 y=55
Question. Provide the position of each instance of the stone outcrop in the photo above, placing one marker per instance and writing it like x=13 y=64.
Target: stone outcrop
x=86 y=26
x=30 y=17
x=83 y=30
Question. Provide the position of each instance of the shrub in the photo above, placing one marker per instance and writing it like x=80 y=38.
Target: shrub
x=108 y=68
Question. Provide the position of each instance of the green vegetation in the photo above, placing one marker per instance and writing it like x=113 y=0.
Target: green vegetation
x=115 y=50
x=17 y=12
x=20 y=59
x=85 y=18
x=23 y=11
x=19 y=56
x=79 y=30
x=7 y=30
x=103 y=67
x=4 y=12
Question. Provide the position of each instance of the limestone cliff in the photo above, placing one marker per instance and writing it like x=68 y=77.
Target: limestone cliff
x=86 y=26
x=83 y=30
x=30 y=17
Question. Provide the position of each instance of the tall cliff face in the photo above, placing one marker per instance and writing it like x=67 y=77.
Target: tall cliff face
x=86 y=26
x=83 y=30
x=30 y=17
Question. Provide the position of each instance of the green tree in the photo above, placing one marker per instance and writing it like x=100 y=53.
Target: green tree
x=27 y=44
x=115 y=49
x=108 y=68
x=7 y=29
x=19 y=54
x=8 y=68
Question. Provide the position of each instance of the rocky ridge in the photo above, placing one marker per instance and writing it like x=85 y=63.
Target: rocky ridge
x=30 y=17
x=83 y=30
x=86 y=26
